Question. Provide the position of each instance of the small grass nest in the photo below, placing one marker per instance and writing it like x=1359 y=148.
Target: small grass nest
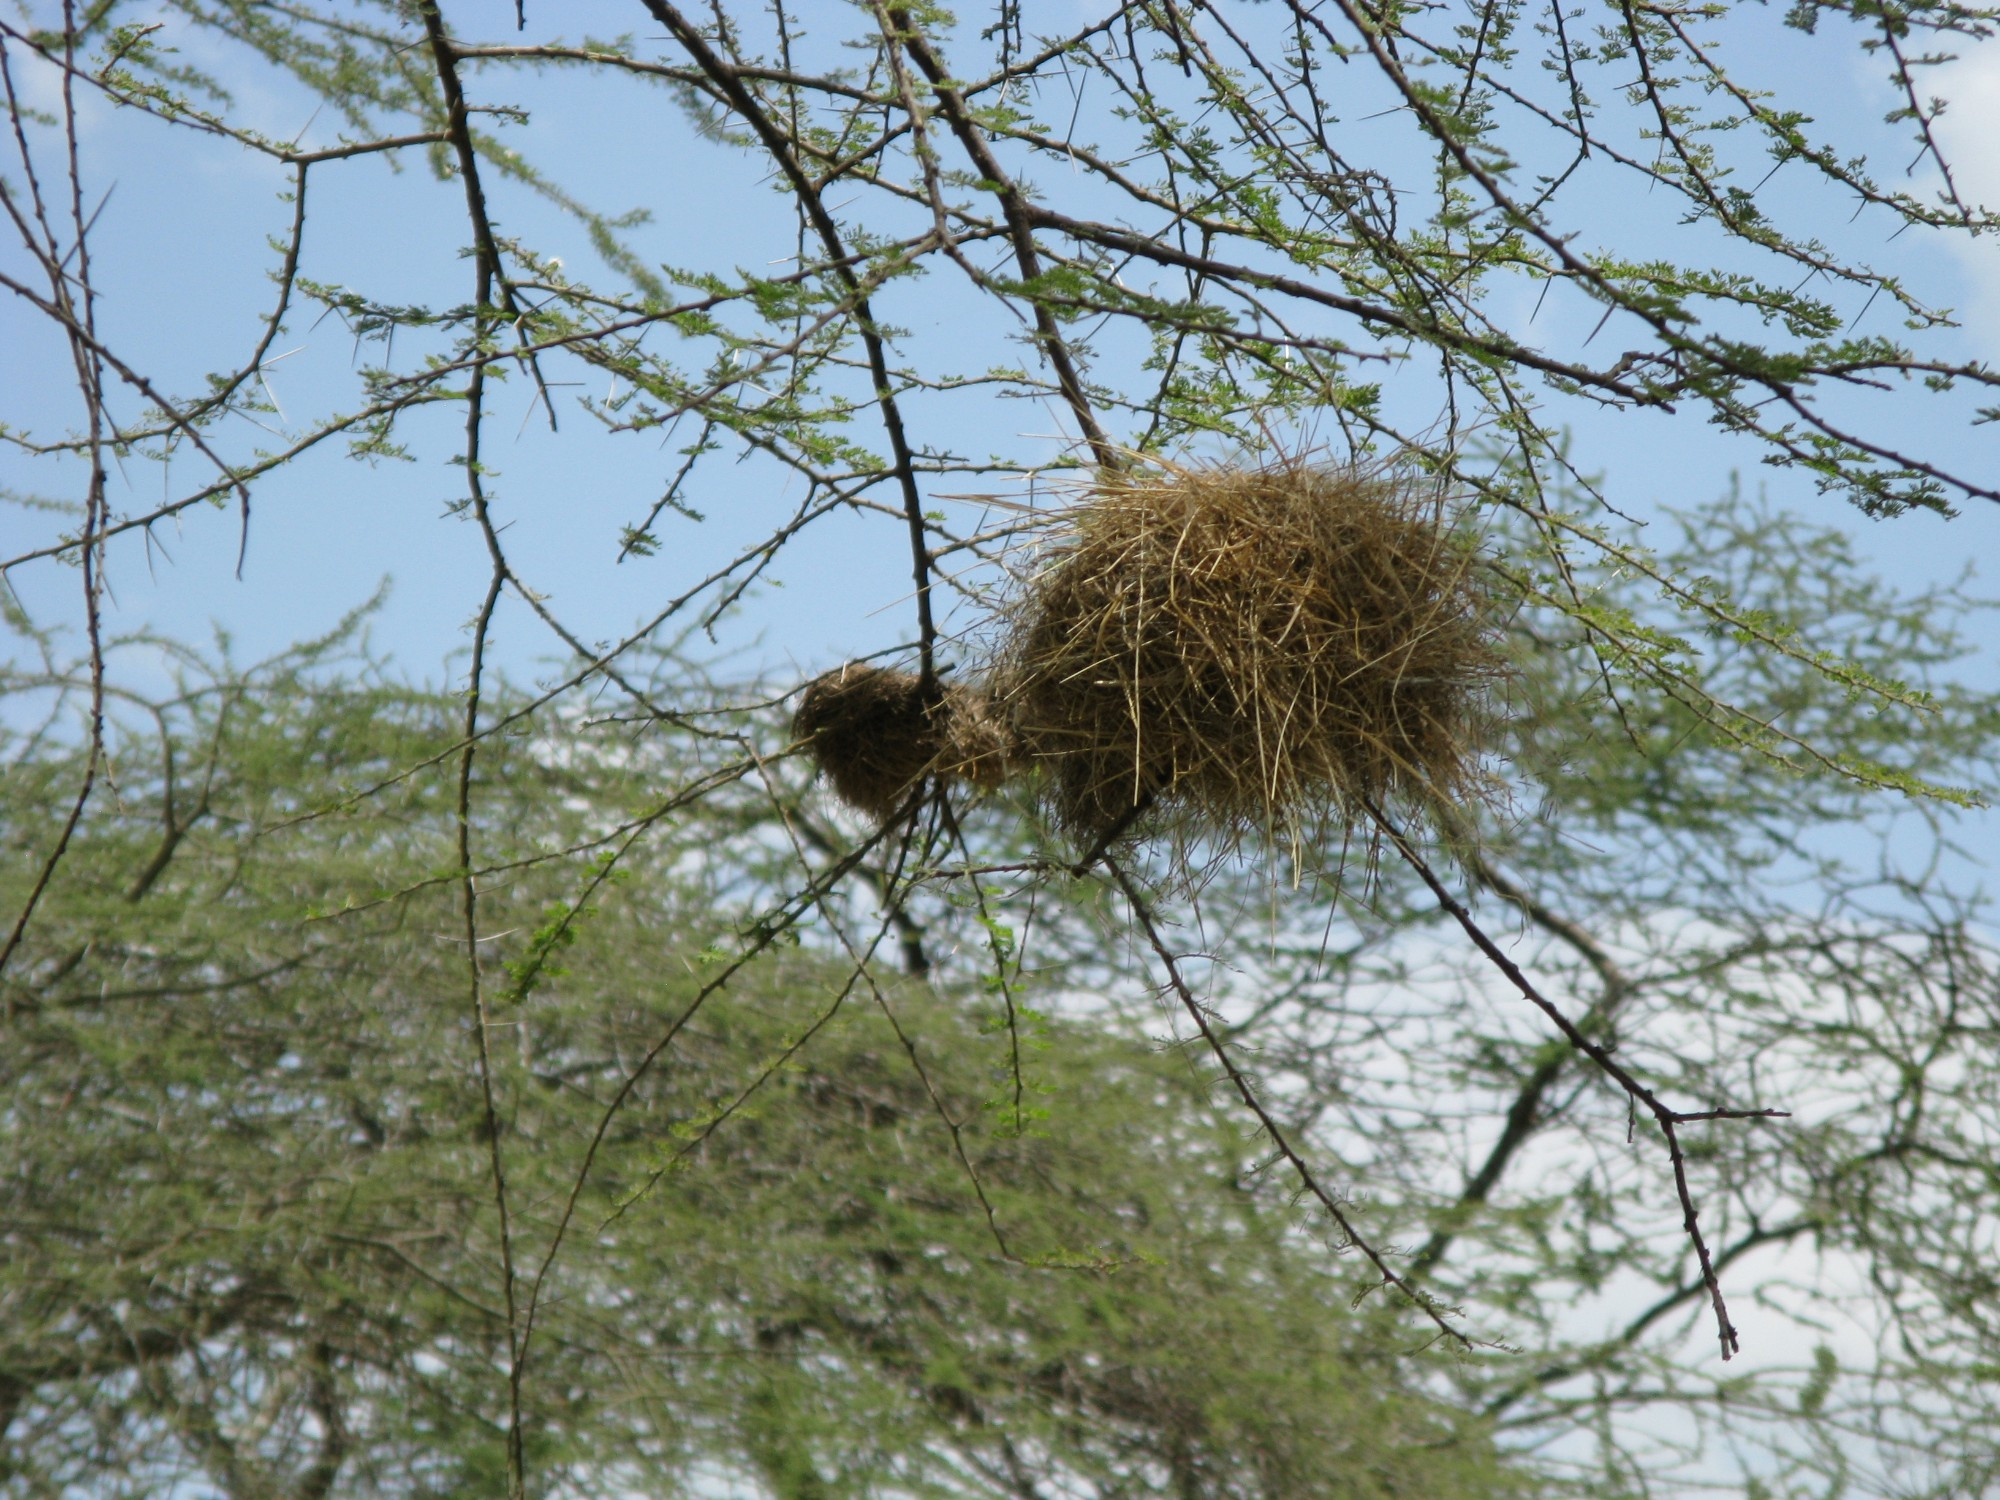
x=876 y=732
x=1252 y=651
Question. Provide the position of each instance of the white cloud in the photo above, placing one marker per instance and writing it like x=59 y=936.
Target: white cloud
x=1968 y=133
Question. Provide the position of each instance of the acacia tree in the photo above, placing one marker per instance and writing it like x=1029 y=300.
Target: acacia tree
x=1286 y=217
x=250 y=1247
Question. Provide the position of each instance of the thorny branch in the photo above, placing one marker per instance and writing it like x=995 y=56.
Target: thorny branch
x=1669 y=1120
x=1524 y=1115
x=487 y=273
x=730 y=81
x=1142 y=913
x=1013 y=204
x=78 y=319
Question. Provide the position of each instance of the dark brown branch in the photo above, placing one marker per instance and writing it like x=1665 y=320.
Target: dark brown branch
x=89 y=358
x=64 y=317
x=1014 y=207
x=487 y=271
x=1525 y=1114
x=1668 y=1119
x=730 y=80
x=323 y=1397
x=1376 y=314
x=1143 y=914
x=1678 y=1296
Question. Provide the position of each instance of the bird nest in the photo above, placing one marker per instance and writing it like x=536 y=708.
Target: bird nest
x=877 y=733
x=1260 y=651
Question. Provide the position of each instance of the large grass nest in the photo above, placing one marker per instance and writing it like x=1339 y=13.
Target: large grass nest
x=1252 y=651
x=876 y=732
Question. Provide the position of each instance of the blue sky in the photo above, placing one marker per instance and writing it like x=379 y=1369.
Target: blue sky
x=182 y=260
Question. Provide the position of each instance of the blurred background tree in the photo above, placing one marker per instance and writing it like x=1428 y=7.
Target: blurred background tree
x=252 y=1246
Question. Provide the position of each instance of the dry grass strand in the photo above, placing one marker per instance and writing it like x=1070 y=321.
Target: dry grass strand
x=876 y=732
x=1252 y=651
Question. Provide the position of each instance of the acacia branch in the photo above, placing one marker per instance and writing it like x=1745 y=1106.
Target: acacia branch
x=487 y=271
x=1142 y=913
x=1524 y=1116
x=1014 y=207
x=1669 y=1120
x=89 y=358
x=730 y=81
